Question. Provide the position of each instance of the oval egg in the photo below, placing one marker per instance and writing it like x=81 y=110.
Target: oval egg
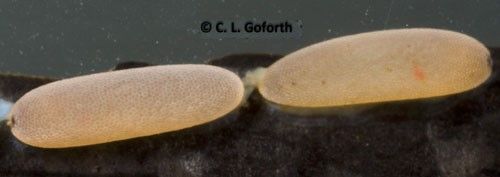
x=377 y=66
x=124 y=104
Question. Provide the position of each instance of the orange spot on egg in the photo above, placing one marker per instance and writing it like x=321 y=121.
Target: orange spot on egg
x=418 y=73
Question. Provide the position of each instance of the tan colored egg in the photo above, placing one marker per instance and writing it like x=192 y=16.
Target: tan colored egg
x=378 y=66
x=124 y=104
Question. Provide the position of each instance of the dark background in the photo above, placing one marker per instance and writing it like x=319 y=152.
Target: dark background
x=64 y=38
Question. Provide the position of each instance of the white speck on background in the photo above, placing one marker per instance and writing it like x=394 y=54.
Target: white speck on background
x=194 y=164
x=4 y=108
